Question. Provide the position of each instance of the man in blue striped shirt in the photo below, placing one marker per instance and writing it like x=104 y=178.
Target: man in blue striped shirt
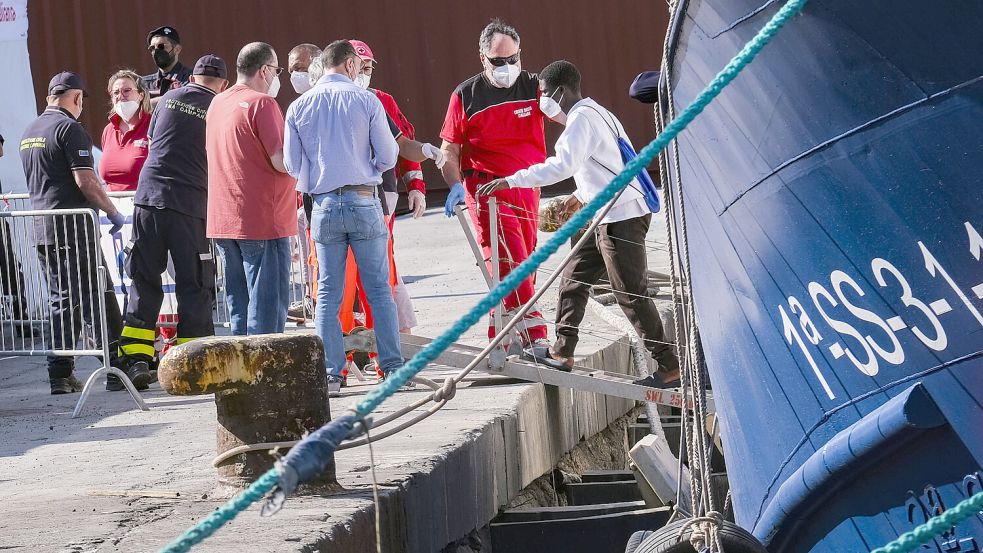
x=337 y=143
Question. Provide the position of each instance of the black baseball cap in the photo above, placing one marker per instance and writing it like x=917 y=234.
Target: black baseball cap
x=167 y=32
x=210 y=65
x=66 y=80
x=645 y=88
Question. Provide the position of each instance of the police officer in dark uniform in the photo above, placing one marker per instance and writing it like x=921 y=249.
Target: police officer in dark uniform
x=164 y=44
x=56 y=153
x=169 y=218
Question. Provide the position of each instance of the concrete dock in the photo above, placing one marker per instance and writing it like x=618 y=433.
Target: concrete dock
x=118 y=479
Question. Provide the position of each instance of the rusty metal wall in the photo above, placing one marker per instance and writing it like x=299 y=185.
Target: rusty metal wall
x=424 y=48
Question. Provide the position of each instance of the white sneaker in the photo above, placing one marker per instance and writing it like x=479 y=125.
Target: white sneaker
x=540 y=347
x=334 y=385
x=300 y=311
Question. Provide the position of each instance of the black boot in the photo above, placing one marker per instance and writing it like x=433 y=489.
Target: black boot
x=68 y=385
x=137 y=370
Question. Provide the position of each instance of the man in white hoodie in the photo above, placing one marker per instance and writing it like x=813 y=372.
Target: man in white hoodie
x=588 y=151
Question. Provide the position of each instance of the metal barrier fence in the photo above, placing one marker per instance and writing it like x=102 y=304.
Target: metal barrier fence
x=113 y=250
x=26 y=321
x=55 y=289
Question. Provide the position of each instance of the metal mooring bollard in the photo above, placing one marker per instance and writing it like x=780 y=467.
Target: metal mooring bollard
x=268 y=388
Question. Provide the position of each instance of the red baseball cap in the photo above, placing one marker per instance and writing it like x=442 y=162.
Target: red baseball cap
x=363 y=50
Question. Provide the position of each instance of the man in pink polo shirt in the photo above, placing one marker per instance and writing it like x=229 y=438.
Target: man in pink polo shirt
x=252 y=203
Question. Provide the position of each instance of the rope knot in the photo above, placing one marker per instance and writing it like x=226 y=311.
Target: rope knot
x=447 y=391
x=704 y=534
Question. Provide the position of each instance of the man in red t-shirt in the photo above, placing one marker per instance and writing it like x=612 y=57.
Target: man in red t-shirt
x=494 y=128
x=252 y=204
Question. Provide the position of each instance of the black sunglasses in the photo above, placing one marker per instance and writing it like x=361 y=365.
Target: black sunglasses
x=278 y=69
x=160 y=46
x=498 y=62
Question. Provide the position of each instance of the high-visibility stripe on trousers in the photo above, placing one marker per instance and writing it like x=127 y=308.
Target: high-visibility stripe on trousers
x=157 y=235
x=137 y=342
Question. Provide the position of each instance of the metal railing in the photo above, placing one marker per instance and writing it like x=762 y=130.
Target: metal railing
x=54 y=297
x=113 y=249
x=26 y=321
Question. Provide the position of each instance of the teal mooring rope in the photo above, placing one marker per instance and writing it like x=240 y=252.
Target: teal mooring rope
x=433 y=350
x=225 y=513
x=936 y=526
x=580 y=219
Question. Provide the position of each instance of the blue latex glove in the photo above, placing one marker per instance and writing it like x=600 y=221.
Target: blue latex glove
x=455 y=197
x=117 y=220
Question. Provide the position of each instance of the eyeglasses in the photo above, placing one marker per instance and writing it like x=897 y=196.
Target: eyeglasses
x=158 y=46
x=498 y=62
x=277 y=69
x=122 y=91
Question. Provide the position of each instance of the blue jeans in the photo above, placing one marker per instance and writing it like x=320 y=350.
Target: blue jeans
x=257 y=284
x=353 y=219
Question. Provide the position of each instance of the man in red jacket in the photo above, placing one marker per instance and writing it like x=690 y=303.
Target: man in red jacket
x=494 y=128
x=408 y=172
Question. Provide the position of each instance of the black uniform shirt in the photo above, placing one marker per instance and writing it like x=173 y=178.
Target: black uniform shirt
x=175 y=175
x=53 y=146
x=160 y=83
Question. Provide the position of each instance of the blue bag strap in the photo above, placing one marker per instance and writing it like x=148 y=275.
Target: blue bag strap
x=648 y=191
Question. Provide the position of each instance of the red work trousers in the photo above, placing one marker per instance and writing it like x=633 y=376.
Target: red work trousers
x=518 y=221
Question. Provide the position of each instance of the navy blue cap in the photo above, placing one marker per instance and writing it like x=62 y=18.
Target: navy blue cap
x=167 y=32
x=66 y=80
x=645 y=88
x=211 y=65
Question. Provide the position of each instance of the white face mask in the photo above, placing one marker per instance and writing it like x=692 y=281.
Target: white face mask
x=354 y=74
x=505 y=75
x=126 y=109
x=274 y=86
x=363 y=80
x=550 y=107
x=301 y=81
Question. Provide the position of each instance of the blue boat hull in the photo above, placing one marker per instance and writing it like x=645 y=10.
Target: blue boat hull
x=833 y=200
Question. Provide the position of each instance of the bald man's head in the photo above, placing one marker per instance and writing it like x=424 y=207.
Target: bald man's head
x=300 y=57
x=253 y=57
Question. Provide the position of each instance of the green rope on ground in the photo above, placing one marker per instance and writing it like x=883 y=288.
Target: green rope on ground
x=936 y=526
x=428 y=354
x=225 y=513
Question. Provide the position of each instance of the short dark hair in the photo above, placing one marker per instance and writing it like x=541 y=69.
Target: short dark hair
x=253 y=57
x=561 y=73
x=495 y=27
x=337 y=53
